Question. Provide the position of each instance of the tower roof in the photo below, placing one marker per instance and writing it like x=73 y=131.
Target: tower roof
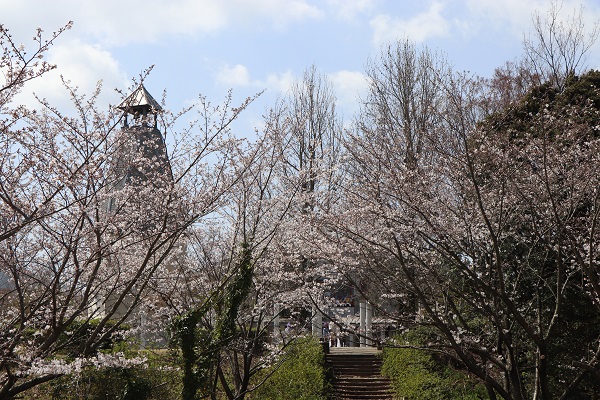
x=139 y=102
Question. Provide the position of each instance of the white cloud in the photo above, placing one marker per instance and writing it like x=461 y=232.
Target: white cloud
x=279 y=12
x=281 y=82
x=118 y=22
x=419 y=28
x=274 y=84
x=514 y=18
x=83 y=65
x=349 y=9
x=516 y=15
x=511 y=15
x=237 y=75
x=349 y=87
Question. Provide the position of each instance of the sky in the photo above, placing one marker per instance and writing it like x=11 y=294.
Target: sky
x=206 y=47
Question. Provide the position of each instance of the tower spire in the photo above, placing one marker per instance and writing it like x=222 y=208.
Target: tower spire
x=140 y=103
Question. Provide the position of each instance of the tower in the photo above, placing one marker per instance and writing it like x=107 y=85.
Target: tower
x=139 y=180
x=141 y=155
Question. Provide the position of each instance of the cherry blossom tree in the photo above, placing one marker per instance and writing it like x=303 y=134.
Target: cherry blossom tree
x=260 y=224
x=310 y=147
x=79 y=251
x=226 y=326
x=494 y=234
x=18 y=68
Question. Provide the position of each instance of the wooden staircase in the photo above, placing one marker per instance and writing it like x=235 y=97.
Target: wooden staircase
x=356 y=374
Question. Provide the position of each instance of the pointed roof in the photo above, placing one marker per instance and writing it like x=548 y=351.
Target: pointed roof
x=140 y=101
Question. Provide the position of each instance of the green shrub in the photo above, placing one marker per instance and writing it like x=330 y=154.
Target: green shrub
x=301 y=375
x=418 y=375
x=155 y=380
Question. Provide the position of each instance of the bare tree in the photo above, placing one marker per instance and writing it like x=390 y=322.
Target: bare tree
x=404 y=93
x=312 y=134
x=558 y=48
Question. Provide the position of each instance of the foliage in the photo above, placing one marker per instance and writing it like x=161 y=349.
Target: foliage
x=579 y=91
x=417 y=374
x=298 y=374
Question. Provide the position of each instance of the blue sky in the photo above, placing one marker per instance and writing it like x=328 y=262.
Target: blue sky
x=209 y=46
